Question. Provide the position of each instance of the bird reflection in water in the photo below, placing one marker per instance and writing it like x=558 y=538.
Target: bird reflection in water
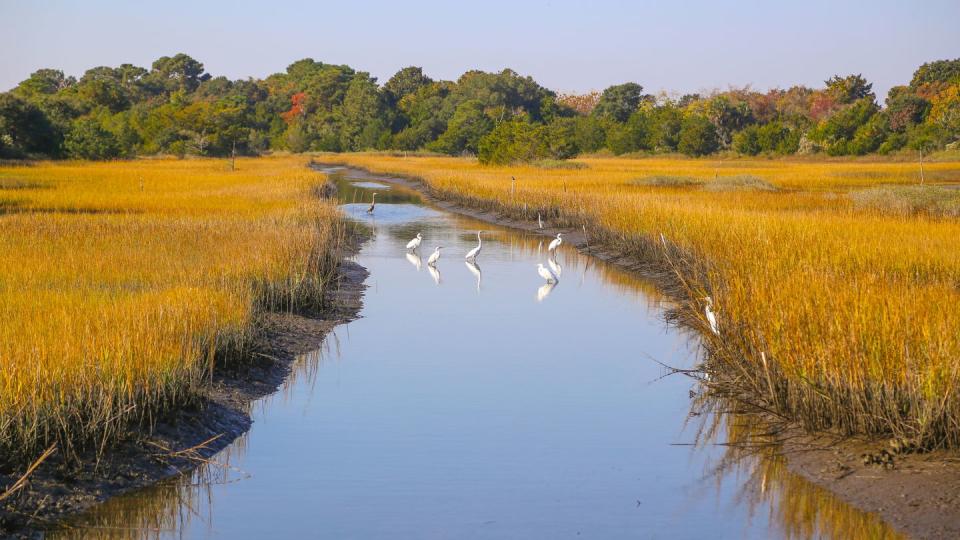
x=415 y=260
x=475 y=270
x=544 y=291
x=434 y=273
x=555 y=266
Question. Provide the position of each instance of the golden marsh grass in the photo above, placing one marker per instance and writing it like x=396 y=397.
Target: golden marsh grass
x=120 y=282
x=855 y=307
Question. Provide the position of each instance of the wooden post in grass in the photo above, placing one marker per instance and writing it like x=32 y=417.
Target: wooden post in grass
x=233 y=157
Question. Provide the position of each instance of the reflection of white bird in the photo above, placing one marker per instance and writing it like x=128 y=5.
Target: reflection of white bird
x=711 y=316
x=472 y=254
x=539 y=221
x=415 y=243
x=434 y=257
x=544 y=291
x=415 y=260
x=547 y=274
x=475 y=270
x=434 y=273
x=555 y=243
x=555 y=267
x=373 y=202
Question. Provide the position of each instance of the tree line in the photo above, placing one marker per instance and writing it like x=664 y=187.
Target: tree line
x=177 y=108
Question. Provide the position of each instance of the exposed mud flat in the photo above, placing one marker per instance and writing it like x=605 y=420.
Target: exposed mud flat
x=185 y=438
x=919 y=494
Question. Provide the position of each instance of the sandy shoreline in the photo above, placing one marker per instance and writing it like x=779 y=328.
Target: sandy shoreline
x=54 y=494
x=919 y=496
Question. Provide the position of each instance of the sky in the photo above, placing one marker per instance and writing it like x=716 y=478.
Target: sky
x=566 y=45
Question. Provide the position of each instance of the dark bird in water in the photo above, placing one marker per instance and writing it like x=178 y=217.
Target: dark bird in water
x=373 y=202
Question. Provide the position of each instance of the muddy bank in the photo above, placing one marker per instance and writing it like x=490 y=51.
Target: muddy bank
x=185 y=438
x=918 y=494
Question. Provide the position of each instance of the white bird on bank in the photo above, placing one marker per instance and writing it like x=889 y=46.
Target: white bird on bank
x=539 y=221
x=555 y=243
x=472 y=254
x=415 y=243
x=711 y=316
x=373 y=203
x=434 y=257
x=547 y=274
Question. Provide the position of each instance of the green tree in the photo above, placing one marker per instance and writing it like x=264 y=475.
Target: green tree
x=618 y=102
x=88 y=140
x=512 y=142
x=849 y=89
x=469 y=124
x=362 y=117
x=698 y=136
x=632 y=135
x=24 y=129
x=405 y=82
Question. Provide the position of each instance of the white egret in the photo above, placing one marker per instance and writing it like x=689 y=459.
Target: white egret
x=547 y=274
x=539 y=221
x=434 y=273
x=415 y=243
x=434 y=257
x=373 y=202
x=472 y=254
x=555 y=267
x=415 y=260
x=711 y=316
x=545 y=290
x=475 y=270
x=555 y=243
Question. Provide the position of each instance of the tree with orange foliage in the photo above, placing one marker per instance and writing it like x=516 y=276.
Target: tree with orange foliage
x=298 y=108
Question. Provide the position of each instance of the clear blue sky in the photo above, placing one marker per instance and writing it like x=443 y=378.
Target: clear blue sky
x=565 y=45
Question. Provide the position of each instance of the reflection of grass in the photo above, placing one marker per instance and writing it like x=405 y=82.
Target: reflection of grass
x=855 y=314
x=798 y=507
x=909 y=200
x=120 y=284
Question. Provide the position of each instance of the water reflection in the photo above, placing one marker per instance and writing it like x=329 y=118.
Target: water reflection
x=547 y=426
x=555 y=267
x=474 y=269
x=434 y=273
x=415 y=260
x=544 y=291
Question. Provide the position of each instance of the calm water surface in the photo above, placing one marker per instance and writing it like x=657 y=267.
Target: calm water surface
x=478 y=402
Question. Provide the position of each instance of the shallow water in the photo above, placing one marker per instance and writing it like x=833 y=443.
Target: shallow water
x=480 y=402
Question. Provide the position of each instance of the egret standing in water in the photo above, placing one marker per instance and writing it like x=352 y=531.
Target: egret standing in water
x=711 y=316
x=434 y=257
x=547 y=274
x=555 y=243
x=415 y=243
x=373 y=203
x=472 y=254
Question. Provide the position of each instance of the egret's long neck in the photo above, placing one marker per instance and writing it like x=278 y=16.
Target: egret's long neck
x=479 y=240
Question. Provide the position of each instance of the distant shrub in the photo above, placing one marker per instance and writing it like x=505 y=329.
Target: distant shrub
x=742 y=182
x=932 y=201
x=667 y=181
x=559 y=164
